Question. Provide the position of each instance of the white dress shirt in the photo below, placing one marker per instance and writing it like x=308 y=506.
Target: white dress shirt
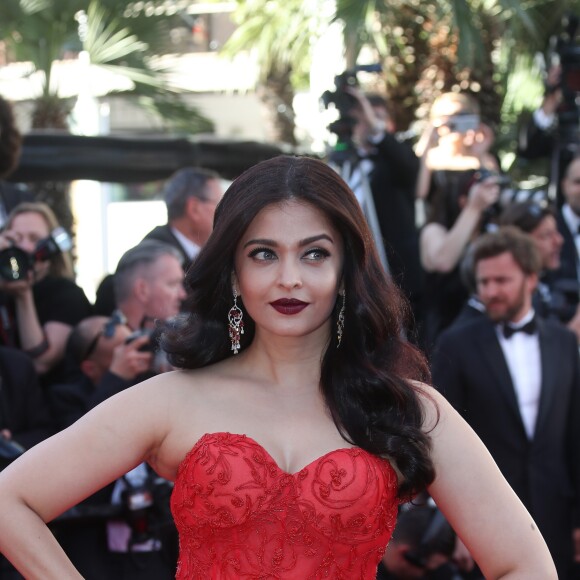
x=190 y=248
x=573 y=222
x=522 y=354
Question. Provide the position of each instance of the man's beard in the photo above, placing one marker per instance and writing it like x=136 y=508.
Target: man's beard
x=511 y=311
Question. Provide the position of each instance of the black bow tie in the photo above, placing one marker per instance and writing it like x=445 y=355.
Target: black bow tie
x=529 y=328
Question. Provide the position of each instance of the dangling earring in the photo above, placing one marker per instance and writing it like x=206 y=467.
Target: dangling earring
x=340 y=321
x=236 y=324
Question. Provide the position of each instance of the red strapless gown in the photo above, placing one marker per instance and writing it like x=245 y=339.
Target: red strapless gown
x=240 y=516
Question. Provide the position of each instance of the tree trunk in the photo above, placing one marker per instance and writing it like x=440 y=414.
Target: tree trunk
x=277 y=95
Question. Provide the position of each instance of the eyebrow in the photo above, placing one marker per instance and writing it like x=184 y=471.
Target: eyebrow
x=304 y=242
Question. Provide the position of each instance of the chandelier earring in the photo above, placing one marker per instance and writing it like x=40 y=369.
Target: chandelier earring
x=340 y=321
x=236 y=324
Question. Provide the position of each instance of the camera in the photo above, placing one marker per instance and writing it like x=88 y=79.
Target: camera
x=462 y=123
x=149 y=346
x=482 y=174
x=344 y=102
x=15 y=263
x=492 y=213
x=566 y=52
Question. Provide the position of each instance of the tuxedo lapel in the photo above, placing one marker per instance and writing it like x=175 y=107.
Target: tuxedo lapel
x=568 y=254
x=494 y=359
x=549 y=355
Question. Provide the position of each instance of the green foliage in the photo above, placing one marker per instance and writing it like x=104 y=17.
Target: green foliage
x=281 y=32
x=39 y=30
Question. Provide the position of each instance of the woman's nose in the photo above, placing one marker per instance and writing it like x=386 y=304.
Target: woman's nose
x=290 y=276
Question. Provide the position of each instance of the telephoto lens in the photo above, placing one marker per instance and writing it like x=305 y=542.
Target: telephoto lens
x=14 y=264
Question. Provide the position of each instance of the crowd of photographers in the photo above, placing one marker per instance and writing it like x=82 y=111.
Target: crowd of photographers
x=60 y=355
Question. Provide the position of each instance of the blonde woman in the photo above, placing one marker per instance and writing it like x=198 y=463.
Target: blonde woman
x=40 y=307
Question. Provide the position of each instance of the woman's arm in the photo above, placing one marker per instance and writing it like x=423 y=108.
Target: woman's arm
x=478 y=502
x=426 y=143
x=50 y=340
x=441 y=249
x=61 y=471
x=45 y=344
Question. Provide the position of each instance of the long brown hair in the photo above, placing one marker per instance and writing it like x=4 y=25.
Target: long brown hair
x=366 y=382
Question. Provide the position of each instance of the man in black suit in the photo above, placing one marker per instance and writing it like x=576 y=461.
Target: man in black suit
x=191 y=195
x=516 y=380
x=569 y=222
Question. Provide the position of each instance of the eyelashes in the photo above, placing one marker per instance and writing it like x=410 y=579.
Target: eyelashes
x=256 y=251
x=269 y=254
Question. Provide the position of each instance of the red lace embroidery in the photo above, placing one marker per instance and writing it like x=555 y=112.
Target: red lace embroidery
x=240 y=516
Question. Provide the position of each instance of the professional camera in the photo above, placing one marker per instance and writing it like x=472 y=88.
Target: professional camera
x=16 y=263
x=345 y=102
x=150 y=345
x=566 y=52
x=462 y=123
x=492 y=213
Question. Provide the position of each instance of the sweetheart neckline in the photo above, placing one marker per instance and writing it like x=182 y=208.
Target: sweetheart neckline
x=253 y=441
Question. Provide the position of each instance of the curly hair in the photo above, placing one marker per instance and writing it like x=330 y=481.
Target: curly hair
x=10 y=140
x=367 y=382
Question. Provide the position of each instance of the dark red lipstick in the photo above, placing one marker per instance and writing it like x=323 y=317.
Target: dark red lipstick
x=289 y=306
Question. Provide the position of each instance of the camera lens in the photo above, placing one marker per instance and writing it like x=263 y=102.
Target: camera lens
x=14 y=264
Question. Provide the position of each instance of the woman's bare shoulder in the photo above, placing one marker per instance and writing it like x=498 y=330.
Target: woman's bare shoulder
x=434 y=405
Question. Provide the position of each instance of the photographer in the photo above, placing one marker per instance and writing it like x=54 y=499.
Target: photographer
x=108 y=364
x=453 y=145
x=391 y=167
x=454 y=153
x=41 y=302
x=113 y=354
x=454 y=223
x=538 y=137
x=553 y=130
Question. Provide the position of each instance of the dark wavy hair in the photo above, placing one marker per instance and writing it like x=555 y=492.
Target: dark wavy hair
x=10 y=139
x=366 y=382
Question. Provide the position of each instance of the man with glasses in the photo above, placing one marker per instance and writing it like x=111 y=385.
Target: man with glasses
x=191 y=196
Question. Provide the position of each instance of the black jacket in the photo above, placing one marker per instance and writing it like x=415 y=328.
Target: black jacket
x=470 y=369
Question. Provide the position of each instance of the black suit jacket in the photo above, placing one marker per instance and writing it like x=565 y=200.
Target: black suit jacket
x=569 y=254
x=164 y=234
x=470 y=369
x=392 y=183
x=105 y=296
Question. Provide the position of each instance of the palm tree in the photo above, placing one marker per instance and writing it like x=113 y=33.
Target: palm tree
x=432 y=47
x=280 y=33
x=38 y=31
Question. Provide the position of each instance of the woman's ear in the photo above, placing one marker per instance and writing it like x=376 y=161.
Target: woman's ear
x=235 y=284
